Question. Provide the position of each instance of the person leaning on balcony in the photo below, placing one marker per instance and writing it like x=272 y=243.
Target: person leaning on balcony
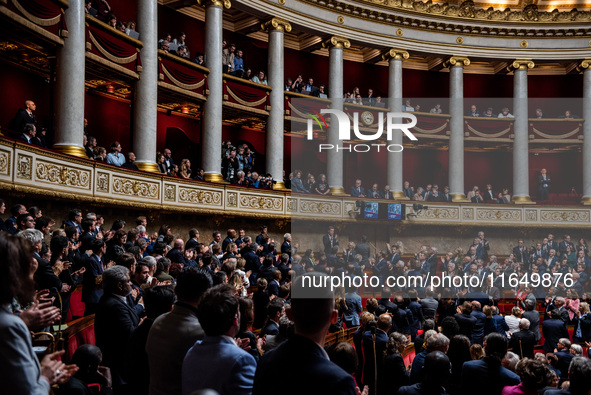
x=115 y=157
x=228 y=58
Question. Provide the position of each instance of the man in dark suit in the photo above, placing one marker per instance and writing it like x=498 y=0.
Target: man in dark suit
x=407 y=190
x=24 y=116
x=364 y=250
x=286 y=245
x=275 y=310
x=477 y=198
x=114 y=322
x=302 y=354
x=91 y=292
x=357 y=190
x=478 y=329
x=553 y=329
x=176 y=255
x=28 y=135
x=465 y=321
x=437 y=371
x=330 y=240
x=543 y=185
x=564 y=357
x=532 y=315
x=523 y=342
x=564 y=243
x=375 y=340
x=193 y=239
x=552 y=244
x=520 y=252
x=446 y=195
x=489 y=195
x=387 y=194
x=477 y=374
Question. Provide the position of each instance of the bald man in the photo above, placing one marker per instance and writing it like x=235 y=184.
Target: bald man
x=176 y=255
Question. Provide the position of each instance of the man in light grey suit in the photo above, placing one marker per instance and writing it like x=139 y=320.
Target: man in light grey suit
x=217 y=363
x=174 y=333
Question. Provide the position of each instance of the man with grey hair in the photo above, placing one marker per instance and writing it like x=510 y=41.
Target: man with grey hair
x=510 y=361
x=532 y=315
x=286 y=246
x=562 y=352
x=433 y=342
x=114 y=322
x=579 y=372
x=523 y=342
x=576 y=350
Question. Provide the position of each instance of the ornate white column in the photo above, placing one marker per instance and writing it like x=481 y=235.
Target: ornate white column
x=456 y=139
x=520 y=145
x=146 y=89
x=334 y=165
x=274 y=148
x=586 y=67
x=395 y=173
x=69 y=114
x=212 y=110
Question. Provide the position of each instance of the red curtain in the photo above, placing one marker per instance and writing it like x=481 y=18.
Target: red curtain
x=183 y=73
x=113 y=44
x=45 y=9
x=246 y=92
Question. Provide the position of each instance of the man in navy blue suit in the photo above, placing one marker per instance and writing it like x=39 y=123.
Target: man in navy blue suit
x=553 y=329
x=114 y=322
x=91 y=292
x=302 y=355
x=476 y=375
x=375 y=339
x=217 y=363
x=564 y=356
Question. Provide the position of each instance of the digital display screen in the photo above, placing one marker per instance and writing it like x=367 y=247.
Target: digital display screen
x=371 y=210
x=384 y=211
x=394 y=211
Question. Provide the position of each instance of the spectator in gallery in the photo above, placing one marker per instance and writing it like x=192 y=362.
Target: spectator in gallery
x=130 y=163
x=238 y=64
x=370 y=100
x=473 y=111
x=489 y=195
x=477 y=198
x=407 y=106
x=199 y=59
x=168 y=159
x=180 y=40
x=379 y=102
x=115 y=157
x=260 y=78
x=90 y=145
x=167 y=38
x=296 y=183
x=539 y=113
x=489 y=113
x=357 y=190
x=160 y=162
x=436 y=109
x=309 y=87
x=228 y=55
x=182 y=52
x=165 y=46
x=29 y=132
x=100 y=154
x=419 y=194
x=174 y=171
x=112 y=21
x=130 y=27
x=298 y=84
x=287 y=86
x=505 y=113
x=568 y=115
x=120 y=26
x=386 y=194
x=374 y=192
x=321 y=93
x=24 y=116
x=185 y=169
x=408 y=190
x=543 y=185
x=321 y=187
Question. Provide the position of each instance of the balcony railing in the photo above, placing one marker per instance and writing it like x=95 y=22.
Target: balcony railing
x=45 y=17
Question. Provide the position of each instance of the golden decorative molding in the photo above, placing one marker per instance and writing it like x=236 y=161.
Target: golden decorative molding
x=192 y=195
x=395 y=53
x=216 y=3
x=71 y=150
x=5 y=157
x=90 y=20
x=459 y=197
x=276 y=23
x=180 y=84
x=456 y=60
x=337 y=42
x=338 y=191
x=463 y=11
x=341 y=19
x=140 y=189
x=399 y=32
x=521 y=64
x=213 y=177
x=460 y=40
x=584 y=65
x=34 y=19
x=148 y=166
x=523 y=44
x=24 y=164
x=522 y=200
x=258 y=202
x=318 y=207
x=63 y=175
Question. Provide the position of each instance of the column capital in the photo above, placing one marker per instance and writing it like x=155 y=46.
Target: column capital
x=276 y=23
x=336 y=42
x=395 y=53
x=216 y=3
x=584 y=65
x=456 y=60
x=521 y=64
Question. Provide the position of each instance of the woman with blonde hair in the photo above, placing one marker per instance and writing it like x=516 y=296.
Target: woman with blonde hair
x=185 y=169
x=582 y=332
x=513 y=319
